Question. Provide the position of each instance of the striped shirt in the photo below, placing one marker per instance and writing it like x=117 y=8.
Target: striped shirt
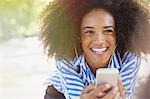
x=70 y=78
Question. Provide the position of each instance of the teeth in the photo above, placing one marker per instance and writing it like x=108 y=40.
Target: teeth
x=99 y=50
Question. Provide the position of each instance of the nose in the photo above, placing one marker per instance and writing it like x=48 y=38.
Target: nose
x=100 y=37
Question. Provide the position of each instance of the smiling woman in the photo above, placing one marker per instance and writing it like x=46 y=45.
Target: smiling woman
x=85 y=35
x=98 y=38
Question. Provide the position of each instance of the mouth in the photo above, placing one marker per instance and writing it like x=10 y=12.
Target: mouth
x=99 y=50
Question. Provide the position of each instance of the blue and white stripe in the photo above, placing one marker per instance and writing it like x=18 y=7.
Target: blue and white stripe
x=71 y=77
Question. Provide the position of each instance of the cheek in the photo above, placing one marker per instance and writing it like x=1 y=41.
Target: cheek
x=113 y=42
x=85 y=42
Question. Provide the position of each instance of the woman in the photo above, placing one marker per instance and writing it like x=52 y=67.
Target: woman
x=84 y=35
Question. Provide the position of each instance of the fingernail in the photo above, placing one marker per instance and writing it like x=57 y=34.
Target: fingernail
x=101 y=94
x=118 y=94
x=115 y=89
x=107 y=86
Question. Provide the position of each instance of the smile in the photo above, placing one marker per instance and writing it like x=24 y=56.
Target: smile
x=99 y=50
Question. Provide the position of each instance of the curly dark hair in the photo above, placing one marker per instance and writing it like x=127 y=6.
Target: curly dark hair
x=60 y=26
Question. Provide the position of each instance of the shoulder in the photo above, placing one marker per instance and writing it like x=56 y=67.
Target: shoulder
x=65 y=66
x=130 y=64
x=128 y=72
x=130 y=58
x=57 y=78
x=70 y=66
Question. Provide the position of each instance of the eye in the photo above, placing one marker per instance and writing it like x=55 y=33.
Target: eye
x=88 y=32
x=108 y=31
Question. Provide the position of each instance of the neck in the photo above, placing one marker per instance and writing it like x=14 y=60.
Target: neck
x=93 y=69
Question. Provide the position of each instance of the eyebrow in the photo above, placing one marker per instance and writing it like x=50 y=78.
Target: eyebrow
x=87 y=27
x=108 y=27
x=93 y=27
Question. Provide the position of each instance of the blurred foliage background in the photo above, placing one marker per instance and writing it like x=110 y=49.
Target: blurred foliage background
x=18 y=18
x=145 y=2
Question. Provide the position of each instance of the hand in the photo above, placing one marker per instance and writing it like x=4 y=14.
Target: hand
x=104 y=91
x=121 y=89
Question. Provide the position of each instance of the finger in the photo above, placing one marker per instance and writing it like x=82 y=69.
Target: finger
x=123 y=97
x=121 y=88
x=88 y=88
x=100 y=90
x=111 y=94
x=85 y=92
x=117 y=96
x=104 y=87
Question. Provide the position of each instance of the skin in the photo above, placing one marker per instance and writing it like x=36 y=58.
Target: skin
x=97 y=34
x=98 y=41
x=91 y=92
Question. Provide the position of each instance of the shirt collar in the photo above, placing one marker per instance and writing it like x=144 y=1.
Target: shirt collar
x=115 y=61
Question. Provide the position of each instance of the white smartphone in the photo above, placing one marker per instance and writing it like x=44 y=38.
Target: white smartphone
x=107 y=75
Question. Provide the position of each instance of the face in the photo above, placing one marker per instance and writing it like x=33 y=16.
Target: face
x=98 y=38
